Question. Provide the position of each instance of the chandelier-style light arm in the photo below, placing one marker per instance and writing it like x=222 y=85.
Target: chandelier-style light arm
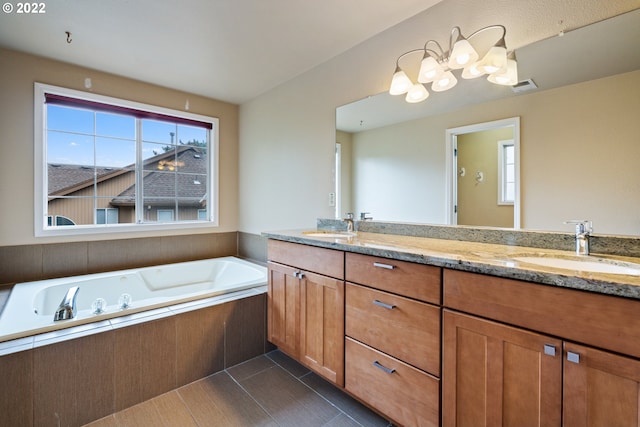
x=407 y=53
x=490 y=27
x=437 y=55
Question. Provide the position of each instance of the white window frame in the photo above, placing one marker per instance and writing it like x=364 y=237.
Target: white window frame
x=40 y=166
x=502 y=174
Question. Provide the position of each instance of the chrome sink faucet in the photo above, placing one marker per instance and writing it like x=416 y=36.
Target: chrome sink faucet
x=349 y=221
x=584 y=228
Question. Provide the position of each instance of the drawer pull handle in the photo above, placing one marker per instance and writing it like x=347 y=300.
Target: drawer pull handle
x=385 y=305
x=573 y=357
x=550 y=350
x=381 y=265
x=380 y=366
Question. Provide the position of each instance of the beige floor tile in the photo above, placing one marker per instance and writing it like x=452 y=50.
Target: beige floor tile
x=219 y=401
x=287 y=400
x=250 y=367
x=173 y=411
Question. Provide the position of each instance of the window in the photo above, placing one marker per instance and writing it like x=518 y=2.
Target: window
x=112 y=165
x=165 y=215
x=506 y=172
x=107 y=216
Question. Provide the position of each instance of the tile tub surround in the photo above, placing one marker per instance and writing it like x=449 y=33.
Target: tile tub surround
x=109 y=369
x=486 y=258
x=27 y=263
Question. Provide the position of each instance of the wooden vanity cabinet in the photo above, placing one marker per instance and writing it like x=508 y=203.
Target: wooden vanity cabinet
x=495 y=374
x=392 y=326
x=305 y=306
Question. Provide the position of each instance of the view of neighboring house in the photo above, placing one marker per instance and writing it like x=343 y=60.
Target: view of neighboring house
x=174 y=188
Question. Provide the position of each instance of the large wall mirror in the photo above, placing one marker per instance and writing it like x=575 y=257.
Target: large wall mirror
x=579 y=139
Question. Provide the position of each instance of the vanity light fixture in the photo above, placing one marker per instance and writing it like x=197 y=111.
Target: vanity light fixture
x=437 y=65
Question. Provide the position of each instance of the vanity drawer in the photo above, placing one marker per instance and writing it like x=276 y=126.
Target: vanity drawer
x=407 y=395
x=328 y=262
x=409 y=279
x=604 y=321
x=399 y=326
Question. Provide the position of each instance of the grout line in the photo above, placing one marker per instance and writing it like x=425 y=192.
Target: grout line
x=253 y=398
x=299 y=379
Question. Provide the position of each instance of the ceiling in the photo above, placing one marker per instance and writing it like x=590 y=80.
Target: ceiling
x=231 y=50
x=605 y=48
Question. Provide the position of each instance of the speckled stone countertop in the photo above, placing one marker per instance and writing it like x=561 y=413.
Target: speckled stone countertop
x=485 y=258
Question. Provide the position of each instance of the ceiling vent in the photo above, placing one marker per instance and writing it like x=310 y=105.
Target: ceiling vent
x=524 y=86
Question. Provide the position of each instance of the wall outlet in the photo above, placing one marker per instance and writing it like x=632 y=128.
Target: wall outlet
x=332 y=199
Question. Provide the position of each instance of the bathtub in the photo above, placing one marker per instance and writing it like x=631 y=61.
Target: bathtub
x=31 y=306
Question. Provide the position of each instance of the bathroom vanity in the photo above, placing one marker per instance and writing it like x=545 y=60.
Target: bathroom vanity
x=435 y=332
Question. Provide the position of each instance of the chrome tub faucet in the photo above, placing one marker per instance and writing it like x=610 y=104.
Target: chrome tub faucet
x=584 y=228
x=67 y=308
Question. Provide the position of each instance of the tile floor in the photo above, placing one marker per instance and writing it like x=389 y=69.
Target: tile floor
x=269 y=390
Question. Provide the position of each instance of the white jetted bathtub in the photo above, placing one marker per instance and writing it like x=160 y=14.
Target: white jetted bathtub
x=31 y=306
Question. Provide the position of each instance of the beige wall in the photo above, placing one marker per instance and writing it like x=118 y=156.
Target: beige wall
x=287 y=134
x=17 y=76
x=478 y=199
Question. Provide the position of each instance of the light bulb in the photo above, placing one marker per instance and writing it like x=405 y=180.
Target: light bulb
x=400 y=83
x=446 y=81
x=417 y=93
x=507 y=77
x=495 y=60
x=429 y=70
x=462 y=54
x=472 y=71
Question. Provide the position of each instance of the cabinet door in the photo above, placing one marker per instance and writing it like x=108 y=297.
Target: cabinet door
x=600 y=388
x=322 y=326
x=497 y=375
x=283 y=308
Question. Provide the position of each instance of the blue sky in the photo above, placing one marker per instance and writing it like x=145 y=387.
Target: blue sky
x=70 y=137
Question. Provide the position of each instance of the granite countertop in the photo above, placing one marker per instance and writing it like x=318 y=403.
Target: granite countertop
x=485 y=258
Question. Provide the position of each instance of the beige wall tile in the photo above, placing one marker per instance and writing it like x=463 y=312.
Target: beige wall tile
x=74 y=381
x=200 y=342
x=16 y=395
x=245 y=331
x=64 y=259
x=145 y=361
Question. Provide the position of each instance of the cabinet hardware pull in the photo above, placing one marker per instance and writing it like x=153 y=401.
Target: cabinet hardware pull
x=382 y=304
x=381 y=265
x=573 y=357
x=550 y=350
x=379 y=366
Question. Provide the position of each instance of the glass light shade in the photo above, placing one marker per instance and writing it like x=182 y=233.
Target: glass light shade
x=446 y=81
x=462 y=54
x=417 y=93
x=429 y=70
x=509 y=77
x=495 y=60
x=400 y=83
x=472 y=71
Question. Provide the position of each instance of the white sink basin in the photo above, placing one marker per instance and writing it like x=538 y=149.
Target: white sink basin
x=590 y=264
x=329 y=234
